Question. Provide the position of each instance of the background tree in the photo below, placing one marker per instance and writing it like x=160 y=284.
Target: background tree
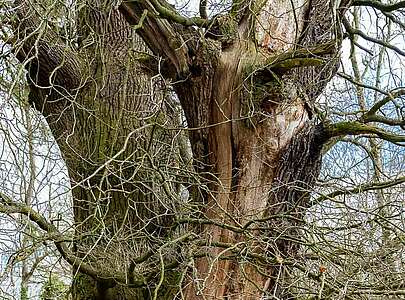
x=31 y=170
x=193 y=143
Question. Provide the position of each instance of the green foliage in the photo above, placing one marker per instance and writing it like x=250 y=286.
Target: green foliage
x=24 y=293
x=54 y=289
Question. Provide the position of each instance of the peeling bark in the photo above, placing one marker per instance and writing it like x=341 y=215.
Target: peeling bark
x=250 y=166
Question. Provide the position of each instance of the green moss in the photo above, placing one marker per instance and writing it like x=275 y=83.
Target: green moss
x=224 y=29
x=228 y=27
x=54 y=289
x=296 y=63
x=259 y=96
x=24 y=293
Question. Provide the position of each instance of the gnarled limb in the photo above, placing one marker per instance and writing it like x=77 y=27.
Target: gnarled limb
x=160 y=35
x=379 y=5
x=54 y=72
x=357 y=128
x=50 y=61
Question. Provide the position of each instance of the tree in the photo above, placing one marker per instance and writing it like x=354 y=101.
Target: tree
x=216 y=210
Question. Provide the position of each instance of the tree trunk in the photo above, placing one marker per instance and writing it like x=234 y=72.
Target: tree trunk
x=255 y=145
x=105 y=113
x=261 y=151
x=114 y=197
x=261 y=165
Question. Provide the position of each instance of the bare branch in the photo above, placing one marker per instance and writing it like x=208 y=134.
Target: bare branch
x=8 y=206
x=360 y=33
x=391 y=96
x=366 y=86
x=372 y=186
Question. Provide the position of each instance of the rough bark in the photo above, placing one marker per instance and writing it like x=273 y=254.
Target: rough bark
x=114 y=199
x=101 y=108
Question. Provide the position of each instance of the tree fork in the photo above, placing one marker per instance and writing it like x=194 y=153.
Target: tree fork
x=245 y=189
x=244 y=184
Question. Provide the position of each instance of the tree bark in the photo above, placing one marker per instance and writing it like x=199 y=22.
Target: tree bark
x=114 y=197
x=262 y=153
x=259 y=167
x=102 y=109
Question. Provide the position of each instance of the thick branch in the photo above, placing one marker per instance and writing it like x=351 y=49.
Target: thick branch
x=159 y=34
x=288 y=64
x=379 y=5
x=48 y=59
x=357 y=128
x=384 y=120
x=309 y=56
x=174 y=16
x=54 y=72
x=307 y=52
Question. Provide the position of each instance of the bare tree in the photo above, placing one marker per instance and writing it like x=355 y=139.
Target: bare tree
x=193 y=143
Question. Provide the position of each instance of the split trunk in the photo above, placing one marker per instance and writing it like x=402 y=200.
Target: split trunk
x=255 y=142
